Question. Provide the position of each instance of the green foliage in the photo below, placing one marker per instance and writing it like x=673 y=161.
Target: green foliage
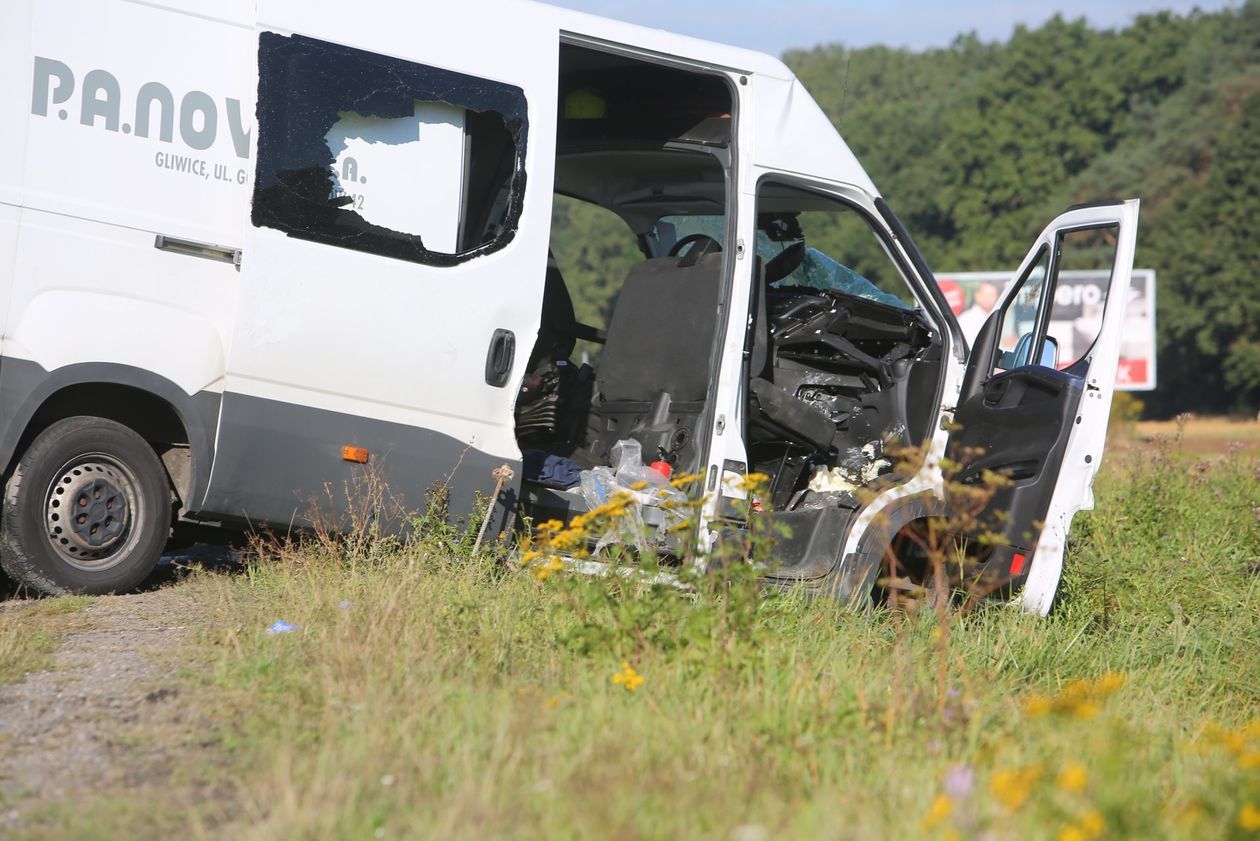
x=978 y=145
x=1126 y=407
x=595 y=250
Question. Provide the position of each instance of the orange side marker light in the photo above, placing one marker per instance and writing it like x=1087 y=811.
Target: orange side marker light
x=358 y=455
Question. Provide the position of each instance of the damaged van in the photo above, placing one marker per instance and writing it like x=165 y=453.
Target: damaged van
x=255 y=249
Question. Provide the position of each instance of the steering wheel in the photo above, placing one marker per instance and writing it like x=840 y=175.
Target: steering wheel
x=704 y=242
x=785 y=262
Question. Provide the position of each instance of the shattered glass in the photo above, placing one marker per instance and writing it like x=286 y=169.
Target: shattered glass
x=378 y=154
x=817 y=270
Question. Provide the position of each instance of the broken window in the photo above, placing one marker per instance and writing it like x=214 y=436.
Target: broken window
x=377 y=154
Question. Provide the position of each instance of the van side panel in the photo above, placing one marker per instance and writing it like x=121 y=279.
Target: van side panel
x=140 y=117
x=135 y=122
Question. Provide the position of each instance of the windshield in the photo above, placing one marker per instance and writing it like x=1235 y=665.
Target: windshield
x=817 y=269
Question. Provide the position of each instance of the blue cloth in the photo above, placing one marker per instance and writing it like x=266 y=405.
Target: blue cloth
x=549 y=469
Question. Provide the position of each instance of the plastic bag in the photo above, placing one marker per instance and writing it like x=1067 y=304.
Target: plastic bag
x=599 y=486
x=645 y=486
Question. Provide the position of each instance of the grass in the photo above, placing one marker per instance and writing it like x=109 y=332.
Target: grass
x=1202 y=435
x=30 y=633
x=429 y=695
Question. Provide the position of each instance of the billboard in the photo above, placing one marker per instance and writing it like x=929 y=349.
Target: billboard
x=1078 y=307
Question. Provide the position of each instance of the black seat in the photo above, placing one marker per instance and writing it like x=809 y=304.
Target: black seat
x=653 y=376
x=559 y=329
x=661 y=333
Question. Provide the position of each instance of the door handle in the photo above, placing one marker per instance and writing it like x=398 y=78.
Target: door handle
x=995 y=392
x=499 y=358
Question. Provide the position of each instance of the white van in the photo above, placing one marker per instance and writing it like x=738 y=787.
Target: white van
x=247 y=246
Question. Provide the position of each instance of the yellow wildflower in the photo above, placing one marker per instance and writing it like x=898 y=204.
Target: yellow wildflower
x=1109 y=683
x=937 y=813
x=1080 y=698
x=1241 y=741
x=1085 y=710
x=529 y=557
x=1075 y=689
x=1012 y=788
x=1249 y=818
x=549 y=526
x=1037 y=705
x=547 y=567
x=1072 y=777
x=628 y=679
x=613 y=508
x=1071 y=833
x=1092 y=824
x=568 y=539
x=754 y=481
x=686 y=479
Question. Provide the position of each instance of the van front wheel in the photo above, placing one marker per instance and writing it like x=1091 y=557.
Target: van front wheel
x=87 y=510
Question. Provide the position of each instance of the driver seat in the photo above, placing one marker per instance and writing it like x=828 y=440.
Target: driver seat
x=558 y=329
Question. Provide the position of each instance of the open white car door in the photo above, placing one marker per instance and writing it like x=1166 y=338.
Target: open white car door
x=1036 y=396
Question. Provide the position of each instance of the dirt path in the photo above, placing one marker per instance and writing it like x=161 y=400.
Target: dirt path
x=106 y=718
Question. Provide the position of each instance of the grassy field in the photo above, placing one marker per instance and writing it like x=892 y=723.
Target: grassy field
x=1211 y=435
x=428 y=695
x=28 y=641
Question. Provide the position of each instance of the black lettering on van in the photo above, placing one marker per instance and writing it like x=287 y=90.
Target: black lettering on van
x=45 y=70
x=151 y=92
x=95 y=83
x=197 y=102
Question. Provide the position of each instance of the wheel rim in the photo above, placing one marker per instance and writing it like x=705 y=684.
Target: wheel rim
x=92 y=511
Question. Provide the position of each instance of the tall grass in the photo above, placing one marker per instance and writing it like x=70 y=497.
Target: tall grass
x=431 y=694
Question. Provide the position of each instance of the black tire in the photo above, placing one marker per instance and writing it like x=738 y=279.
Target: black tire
x=121 y=497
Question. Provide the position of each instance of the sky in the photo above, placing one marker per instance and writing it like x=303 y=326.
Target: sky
x=773 y=26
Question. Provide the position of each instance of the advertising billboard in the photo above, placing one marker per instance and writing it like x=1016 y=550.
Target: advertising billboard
x=1078 y=306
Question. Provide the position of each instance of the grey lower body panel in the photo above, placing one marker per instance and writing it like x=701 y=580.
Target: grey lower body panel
x=280 y=465
x=26 y=386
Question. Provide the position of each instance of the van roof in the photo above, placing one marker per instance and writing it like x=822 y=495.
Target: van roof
x=661 y=41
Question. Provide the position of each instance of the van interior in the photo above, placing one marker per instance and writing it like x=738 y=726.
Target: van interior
x=841 y=367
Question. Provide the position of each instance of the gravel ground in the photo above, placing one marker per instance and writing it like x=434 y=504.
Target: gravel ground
x=106 y=719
